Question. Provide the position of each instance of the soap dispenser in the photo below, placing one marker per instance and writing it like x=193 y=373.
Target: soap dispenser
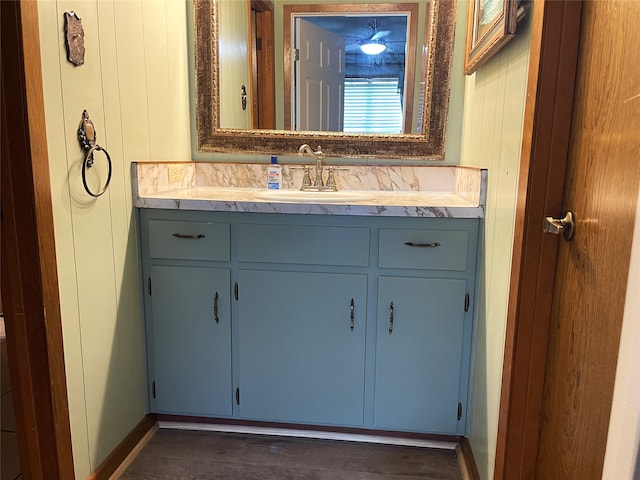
x=274 y=175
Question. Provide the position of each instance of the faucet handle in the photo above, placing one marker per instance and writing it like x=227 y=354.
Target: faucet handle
x=331 y=178
x=306 y=179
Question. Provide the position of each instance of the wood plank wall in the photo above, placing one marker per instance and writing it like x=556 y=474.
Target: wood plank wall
x=492 y=137
x=135 y=85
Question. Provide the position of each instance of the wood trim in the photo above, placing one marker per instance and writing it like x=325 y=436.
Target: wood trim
x=131 y=443
x=29 y=269
x=468 y=467
x=552 y=73
x=262 y=65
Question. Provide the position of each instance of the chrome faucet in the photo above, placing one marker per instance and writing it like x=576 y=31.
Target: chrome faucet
x=319 y=155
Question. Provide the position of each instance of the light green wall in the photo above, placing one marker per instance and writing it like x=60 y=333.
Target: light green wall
x=134 y=84
x=492 y=138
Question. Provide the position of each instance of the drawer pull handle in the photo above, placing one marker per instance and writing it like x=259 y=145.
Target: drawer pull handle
x=391 y=307
x=422 y=245
x=215 y=308
x=189 y=237
x=351 y=314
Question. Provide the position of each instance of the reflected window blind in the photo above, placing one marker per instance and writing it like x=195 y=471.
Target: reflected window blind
x=372 y=105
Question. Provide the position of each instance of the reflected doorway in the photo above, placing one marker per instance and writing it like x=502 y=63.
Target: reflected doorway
x=377 y=86
x=263 y=91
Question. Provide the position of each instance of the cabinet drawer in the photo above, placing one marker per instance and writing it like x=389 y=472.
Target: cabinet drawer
x=303 y=244
x=189 y=240
x=423 y=249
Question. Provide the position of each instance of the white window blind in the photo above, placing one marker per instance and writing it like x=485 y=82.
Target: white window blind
x=372 y=105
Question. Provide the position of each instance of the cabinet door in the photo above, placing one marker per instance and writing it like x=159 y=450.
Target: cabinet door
x=191 y=347
x=299 y=358
x=418 y=361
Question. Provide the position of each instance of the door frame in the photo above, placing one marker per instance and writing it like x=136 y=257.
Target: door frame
x=262 y=65
x=29 y=270
x=555 y=37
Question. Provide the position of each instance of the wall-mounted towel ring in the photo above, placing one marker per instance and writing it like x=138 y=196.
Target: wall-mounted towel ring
x=87 y=138
x=88 y=163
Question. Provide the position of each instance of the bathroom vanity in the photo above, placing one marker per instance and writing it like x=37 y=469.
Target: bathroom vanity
x=353 y=313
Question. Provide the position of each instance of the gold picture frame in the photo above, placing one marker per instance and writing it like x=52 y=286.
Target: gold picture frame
x=490 y=25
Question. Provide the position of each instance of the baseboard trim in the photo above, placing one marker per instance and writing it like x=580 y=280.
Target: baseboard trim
x=127 y=449
x=467 y=463
x=373 y=437
x=237 y=422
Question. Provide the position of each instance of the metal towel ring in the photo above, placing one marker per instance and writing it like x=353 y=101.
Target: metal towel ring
x=87 y=138
x=88 y=163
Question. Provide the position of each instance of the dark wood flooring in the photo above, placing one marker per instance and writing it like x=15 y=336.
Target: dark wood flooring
x=191 y=455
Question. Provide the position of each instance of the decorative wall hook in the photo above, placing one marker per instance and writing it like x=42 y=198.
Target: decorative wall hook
x=87 y=137
x=74 y=38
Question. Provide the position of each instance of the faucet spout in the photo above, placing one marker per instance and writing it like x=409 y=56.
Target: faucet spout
x=319 y=156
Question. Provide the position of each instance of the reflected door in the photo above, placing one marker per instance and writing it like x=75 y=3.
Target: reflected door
x=319 y=79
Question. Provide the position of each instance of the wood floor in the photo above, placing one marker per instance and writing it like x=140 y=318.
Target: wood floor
x=186 y=455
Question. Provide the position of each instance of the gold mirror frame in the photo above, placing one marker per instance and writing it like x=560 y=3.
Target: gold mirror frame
x=428 y=145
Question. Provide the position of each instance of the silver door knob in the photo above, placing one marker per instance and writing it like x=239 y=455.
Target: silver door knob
x=565 y=226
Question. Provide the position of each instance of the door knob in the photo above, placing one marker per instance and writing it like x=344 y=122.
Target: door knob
x=556 y=226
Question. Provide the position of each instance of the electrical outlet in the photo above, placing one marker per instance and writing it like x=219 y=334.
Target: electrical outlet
x=175 y=173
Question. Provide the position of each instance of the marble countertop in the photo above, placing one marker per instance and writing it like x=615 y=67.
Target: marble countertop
x=456 y=192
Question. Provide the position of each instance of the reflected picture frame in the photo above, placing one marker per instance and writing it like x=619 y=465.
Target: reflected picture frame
x=490 y=25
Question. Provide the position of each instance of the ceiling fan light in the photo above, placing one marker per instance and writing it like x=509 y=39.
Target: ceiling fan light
x=373 y=48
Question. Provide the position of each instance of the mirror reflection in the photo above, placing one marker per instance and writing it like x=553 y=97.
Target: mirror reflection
x=350 y=71
x=263 y=83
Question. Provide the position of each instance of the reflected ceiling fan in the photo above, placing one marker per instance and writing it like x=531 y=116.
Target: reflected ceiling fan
x=374 y=43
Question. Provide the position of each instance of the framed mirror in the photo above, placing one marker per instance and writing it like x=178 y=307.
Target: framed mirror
x=422 y=83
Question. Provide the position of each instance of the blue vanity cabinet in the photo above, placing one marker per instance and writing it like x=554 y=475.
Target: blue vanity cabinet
x=302 y=315
x=187 y=280
x=423 y=326
x=302 y=346
x=419 y=353
x=191 y=339
x=345 y=321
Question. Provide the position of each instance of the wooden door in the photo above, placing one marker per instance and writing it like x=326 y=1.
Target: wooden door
x=601 y=187
x=319 y=82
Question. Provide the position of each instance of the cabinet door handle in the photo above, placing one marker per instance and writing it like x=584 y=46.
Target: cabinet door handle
x=352 y=313
x=422 y=245
x=391 y=307
x=196 y=236
x=215 y=308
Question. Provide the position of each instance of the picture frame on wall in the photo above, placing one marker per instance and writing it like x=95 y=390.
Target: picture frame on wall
x=490 y=25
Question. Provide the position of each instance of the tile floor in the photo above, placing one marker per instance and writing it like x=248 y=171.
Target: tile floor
x=197 y=455
x=9 y=456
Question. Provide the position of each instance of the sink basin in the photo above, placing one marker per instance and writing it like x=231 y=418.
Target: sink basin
x=299 y=196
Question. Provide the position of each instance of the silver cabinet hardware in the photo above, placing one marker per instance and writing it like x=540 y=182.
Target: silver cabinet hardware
x=391 y=307
x=352 y=308
x=565 y=226
x=422 y=245
x=215 y=308
x=197 y=236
